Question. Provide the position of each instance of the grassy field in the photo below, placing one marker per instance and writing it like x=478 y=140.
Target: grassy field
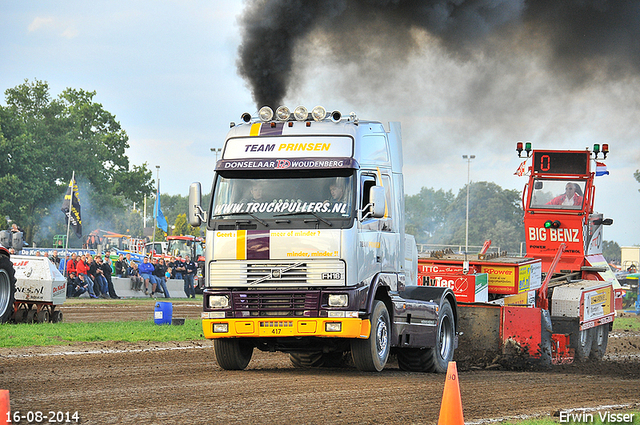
x=24 y=335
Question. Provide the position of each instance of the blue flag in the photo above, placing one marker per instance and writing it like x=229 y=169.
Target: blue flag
x=162 y=222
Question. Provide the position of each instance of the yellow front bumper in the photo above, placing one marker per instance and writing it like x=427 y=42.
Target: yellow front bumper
x=263 y=327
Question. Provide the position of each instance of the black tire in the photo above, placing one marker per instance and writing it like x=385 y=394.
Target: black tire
x=600 y=341
x=31 y=316
x=318 y=359
x=232 y=353
x=371 y=354
x=304 y=360
x=56 y=316
x=43 y=316
x=7 y=288
x=434 y=359
x=584 y=342
x=21 y=315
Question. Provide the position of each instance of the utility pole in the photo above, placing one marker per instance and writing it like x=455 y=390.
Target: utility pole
x=466 y=244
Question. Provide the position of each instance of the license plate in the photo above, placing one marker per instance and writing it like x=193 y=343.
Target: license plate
x=276 y=328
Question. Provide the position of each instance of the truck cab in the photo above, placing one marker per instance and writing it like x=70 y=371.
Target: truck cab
x=305 y=245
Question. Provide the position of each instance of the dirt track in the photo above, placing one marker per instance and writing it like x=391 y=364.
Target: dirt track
x=179 y=383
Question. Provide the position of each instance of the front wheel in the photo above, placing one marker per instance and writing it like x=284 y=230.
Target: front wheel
x=433 y=359
x=371 y=354
x=232 y=353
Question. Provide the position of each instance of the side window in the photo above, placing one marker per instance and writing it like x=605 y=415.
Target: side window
x=366 y=182
x=389 y=223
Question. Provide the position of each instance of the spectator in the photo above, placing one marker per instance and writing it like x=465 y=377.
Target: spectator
x=178 y=267
x=171 y=264
x=63 y=265
x=160 y=275
x=146 y=272
x=190 y=271
x=106 y=271
x=134 y=275
x=83 y=269
x=96 y=272
x=54 y=258
x=121 y=266
x=72 y=275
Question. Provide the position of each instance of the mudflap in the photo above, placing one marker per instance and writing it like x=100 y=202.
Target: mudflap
x=510 y=336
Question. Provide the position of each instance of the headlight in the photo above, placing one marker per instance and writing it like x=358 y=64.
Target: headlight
x=333 y=327
x=318 y=113
x=300 y=113
x=266 y=113
x=282 y=113
x=338 y=300
x=218 y=301
x=220 y=328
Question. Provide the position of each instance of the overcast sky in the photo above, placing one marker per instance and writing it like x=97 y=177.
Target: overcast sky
x=167 y=71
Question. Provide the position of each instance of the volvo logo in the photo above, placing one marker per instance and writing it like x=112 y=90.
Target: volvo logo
x=276 y=274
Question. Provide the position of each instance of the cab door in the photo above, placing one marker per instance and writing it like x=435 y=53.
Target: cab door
x=368 y=255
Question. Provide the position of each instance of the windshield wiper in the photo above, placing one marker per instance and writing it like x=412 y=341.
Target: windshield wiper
x=258 y=219
x=327 y=222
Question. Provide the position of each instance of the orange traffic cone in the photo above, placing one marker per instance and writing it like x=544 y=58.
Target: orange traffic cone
x=4 y=407
x=451 y=407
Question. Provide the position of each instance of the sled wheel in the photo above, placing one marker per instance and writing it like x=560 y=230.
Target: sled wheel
x=43 y=316
x=56 y=316
x=31 y=315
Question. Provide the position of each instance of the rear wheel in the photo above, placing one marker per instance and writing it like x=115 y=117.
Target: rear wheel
x=584 y=343
x=232 y=353
x=318 y=359
x=7 y=288
x=600 y=341
x=313 y=359
x=371 y=354
x=434 y=359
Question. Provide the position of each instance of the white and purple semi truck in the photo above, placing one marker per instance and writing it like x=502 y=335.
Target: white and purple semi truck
x=306 y=251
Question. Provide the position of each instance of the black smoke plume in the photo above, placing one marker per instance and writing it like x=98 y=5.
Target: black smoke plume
x=586 y=38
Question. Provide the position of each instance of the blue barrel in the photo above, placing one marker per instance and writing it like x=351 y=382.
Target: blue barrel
x=163 y=312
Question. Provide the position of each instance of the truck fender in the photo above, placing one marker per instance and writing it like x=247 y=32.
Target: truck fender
x=384 y=282
x=434 y=294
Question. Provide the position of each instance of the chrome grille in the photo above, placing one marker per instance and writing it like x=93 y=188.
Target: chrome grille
x=281 y=304
x=266 y=273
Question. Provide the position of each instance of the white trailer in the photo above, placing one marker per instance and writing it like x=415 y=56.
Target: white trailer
x=40 y=289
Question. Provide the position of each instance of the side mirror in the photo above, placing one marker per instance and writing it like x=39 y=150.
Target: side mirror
x=377 y=206
x=196 y=213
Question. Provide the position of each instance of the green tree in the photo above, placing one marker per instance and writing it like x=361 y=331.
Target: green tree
x=494 y=213
x=181 y=225
x=426 y=212
x=611 y=251
x=44 y=140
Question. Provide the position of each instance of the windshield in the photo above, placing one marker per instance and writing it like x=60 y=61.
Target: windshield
x=557 y=194
x=283 y=195
x=179 y=247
